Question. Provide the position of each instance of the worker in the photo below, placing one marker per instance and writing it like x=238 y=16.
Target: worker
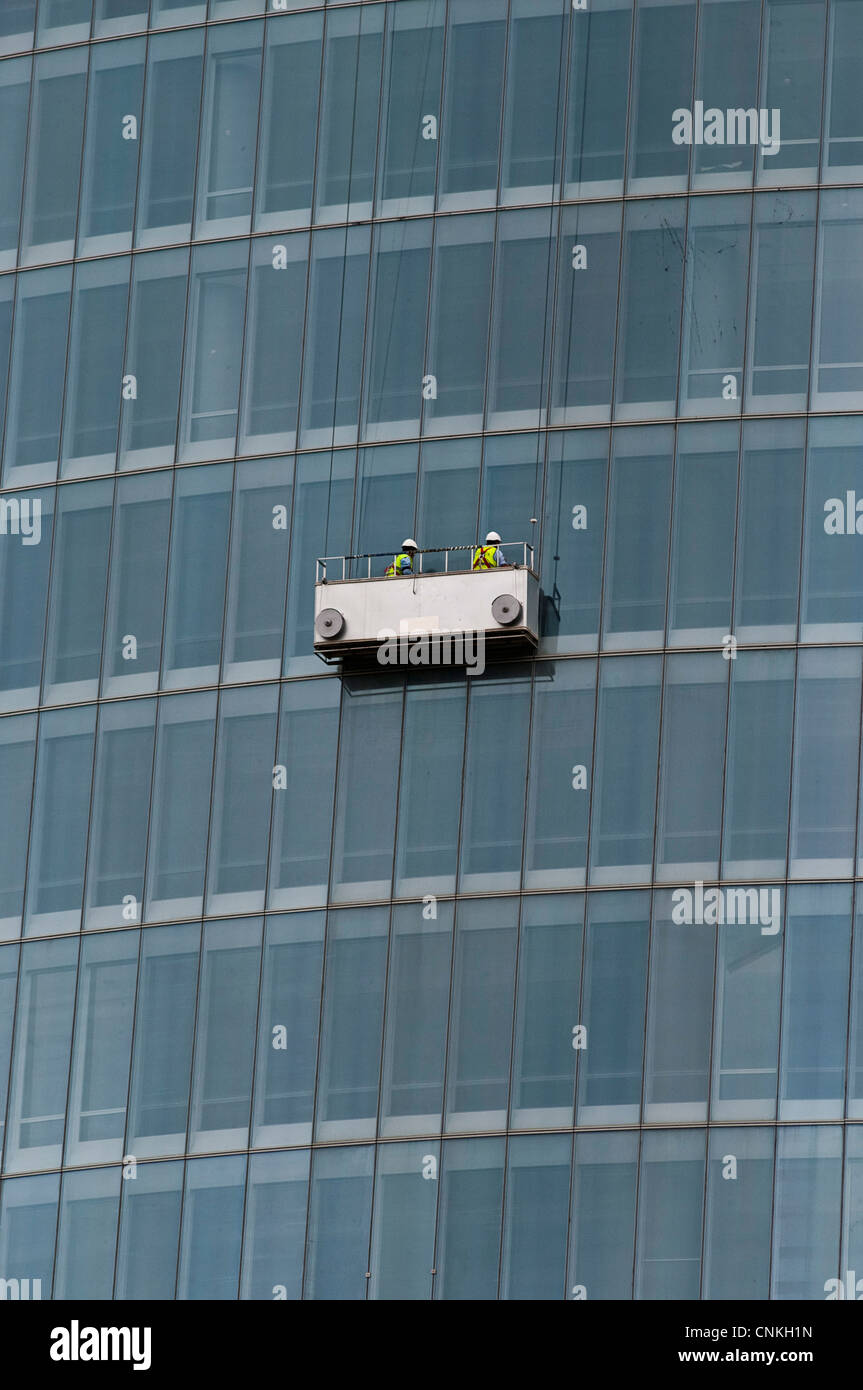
x=489 y=556
x=403 y=563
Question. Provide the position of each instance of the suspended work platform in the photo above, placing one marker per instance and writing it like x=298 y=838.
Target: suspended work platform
x=358 y=608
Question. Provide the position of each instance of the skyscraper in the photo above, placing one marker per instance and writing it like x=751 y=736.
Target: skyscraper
x=398 y=981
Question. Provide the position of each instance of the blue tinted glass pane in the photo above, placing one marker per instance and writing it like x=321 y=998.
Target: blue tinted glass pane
x=353 y=1008
x=404 y=1226
x=726 y=78
x=670 y=1201
x=94 y=394
x=119 y=16
x=16 y=25
x=25 y=557
x=473 y=88
x=598 y=84
x=411 y=107
x=14 y=99
x=493 y=814
x=288 y=1029
x=794 y=44
x=337 y=1252
x=808 y=1179
x=559 y=788
x=737 y=1232
x=165 y=12
x=535 y=83
x=524 y=273
x=274 y=345
x=649 y=331
x=573 y=536
x=149 y=1233
x=448 y=495
x=196 y=585
x=275 y=1226
x=855 y=1042
x=815 y=991
x=225 y=1035
x=182 y=779
x=588 y=255
x=844 y=134
x=260 y=528
x=61 y=808
x=837 y=369
x=416 y=1022
x=7 y=296
x=35 y=399
x=136 y=585
x=169 y=140
x=535 y=1217
x=349 y=114
x=118 y=821
x=214 y=340
x=705 y=497
x=229 y=122
x=612 y=1008
x=54 y=153
x=480 y=1040
x=662 y=81
x=602 y=1228
x=714 y=308
x=73 y=647
x=28 y=1228
x=63 y=21
x=746 y=1028
x=760 y=718
x=292 y=78
x=148 y=429
x=851 y=1212
x=164 y=1025
x=780 y=314
x=8 y=986
x=824 y=781
x=111 y=150
x=242 y=800
x=469 y=1219
x=432 y=744
x=87 y=1237
x=768 y=538
x=458 y=326
x=99 y=1084
x=303 y=809
x=338 y=282
x=384 y=506
x=690 y=780
x=397 y=330
x=624 y=796
x=40 y=1063
x=17 y=748
x=368 y=775
x=677 y=1061
x=212 y=1229
x=832 y=601
x=636 y=563
x=549 y=980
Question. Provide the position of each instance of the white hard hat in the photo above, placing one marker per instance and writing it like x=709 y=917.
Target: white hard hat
x=409 y=544
x=492 y=536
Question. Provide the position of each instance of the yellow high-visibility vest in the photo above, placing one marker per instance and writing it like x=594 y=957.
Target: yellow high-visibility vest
x=397 y=567
x=484 y=557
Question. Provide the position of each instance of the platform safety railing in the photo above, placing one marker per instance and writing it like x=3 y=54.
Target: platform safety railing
x=457 y=559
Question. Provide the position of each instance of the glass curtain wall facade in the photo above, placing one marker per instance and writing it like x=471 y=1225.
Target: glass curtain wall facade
x=420 y=1018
